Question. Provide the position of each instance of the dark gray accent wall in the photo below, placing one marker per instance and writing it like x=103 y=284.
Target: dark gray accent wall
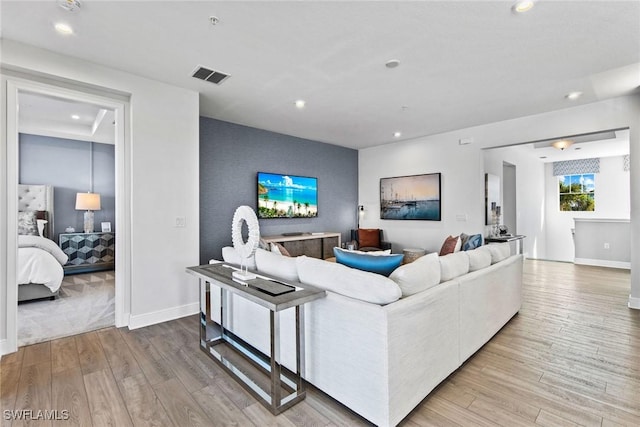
x=231 y=155
x=64 y=163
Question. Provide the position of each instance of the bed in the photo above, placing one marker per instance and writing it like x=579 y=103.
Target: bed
x=40 y=260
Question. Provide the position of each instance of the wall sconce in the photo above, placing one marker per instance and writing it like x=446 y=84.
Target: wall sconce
x=88 y=202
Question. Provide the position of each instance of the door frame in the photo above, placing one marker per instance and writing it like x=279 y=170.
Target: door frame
x=121 y=109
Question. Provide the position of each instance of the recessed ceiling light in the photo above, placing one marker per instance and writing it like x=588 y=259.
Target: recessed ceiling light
x=75 y=117
x=214 y=20
x=522 y=6
x=63 y=28
x=572 y=96
x=392 y=63
x=300 y=103
x=397 y=134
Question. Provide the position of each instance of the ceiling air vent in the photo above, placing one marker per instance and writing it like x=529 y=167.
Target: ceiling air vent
x=209 y=75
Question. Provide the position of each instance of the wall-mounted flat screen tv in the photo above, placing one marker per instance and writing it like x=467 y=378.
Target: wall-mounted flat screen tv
x=287 y=196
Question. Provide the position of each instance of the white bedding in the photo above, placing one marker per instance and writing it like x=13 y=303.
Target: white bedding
x=40 y=261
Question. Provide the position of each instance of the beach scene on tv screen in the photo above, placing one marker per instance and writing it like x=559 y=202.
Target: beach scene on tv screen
x=287 y=196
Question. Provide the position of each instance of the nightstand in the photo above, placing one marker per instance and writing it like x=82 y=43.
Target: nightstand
x=88 y=251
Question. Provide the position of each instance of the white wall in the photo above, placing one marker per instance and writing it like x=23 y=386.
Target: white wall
x=530 y=195
x=163 y=154
x=463 y=171
x=612 y=201
x=462 y=190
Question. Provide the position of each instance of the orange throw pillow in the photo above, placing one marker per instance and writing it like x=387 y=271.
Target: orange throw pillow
x=449 y=245
x=369 y=237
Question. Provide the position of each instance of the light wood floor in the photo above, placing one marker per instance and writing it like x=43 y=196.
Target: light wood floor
x=570 y=357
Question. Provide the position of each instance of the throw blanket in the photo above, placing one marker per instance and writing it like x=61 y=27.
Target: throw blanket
x=44 y=244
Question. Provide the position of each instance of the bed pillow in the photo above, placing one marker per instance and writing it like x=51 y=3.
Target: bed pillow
x=41 y=224
x=27 y=224
x=419 y=275
x=382 y=264
x=350 y=282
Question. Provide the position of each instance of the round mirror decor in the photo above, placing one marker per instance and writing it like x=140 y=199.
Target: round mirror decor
x=245 y=249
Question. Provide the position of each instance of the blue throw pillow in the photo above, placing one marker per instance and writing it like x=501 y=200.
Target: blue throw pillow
x=473 y=242
x=380 y=264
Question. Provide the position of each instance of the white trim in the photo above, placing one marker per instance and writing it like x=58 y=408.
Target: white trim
x=4 y=348
x=146 y=319
x=602 y=220
x=603 y=263
x=634 y=302
x=123 y=196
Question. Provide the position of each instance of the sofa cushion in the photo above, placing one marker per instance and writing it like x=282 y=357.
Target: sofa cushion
x=417 y=276
x=499 y=251
x=453 y=265
x=347 y=281
x=380 y=263
x=479 y=258
x=277 y=248
x=472 y=242
x=272 y=264
x=230 y=255
x=451 y=244
x=369 y=237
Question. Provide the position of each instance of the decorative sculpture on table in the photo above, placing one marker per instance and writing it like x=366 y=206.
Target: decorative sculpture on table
x=495 y=213
x=245 y=250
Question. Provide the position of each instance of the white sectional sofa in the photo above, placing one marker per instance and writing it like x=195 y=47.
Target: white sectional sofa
x=371 y=348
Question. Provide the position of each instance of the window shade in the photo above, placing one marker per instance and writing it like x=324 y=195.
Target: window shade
x=576 y=167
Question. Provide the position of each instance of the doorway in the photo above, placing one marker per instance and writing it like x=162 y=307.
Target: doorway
x=17 y=87
x=509 y=197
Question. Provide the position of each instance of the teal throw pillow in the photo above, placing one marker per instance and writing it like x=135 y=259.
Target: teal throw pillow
x=381 y=264
x=472 y=242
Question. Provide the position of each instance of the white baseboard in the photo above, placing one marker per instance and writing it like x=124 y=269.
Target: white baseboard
x=634 y=302
x=142 y=320
x=3 y=348
x=603 y=263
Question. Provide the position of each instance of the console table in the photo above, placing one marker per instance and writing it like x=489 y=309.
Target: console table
x=510 y=238
x=88 y=251
x=316 y=245
x=266 y=293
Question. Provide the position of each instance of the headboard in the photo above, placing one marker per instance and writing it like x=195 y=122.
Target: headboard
x=37 y=198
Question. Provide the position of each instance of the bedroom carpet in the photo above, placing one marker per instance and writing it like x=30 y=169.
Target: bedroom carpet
x=86 y=303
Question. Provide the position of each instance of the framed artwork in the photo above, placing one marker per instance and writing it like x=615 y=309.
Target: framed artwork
x=411 y=197
x=106 y=227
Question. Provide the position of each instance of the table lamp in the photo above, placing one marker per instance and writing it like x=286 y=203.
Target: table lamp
x=88 y=202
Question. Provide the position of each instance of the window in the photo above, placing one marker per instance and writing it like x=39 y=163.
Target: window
x=577 y=192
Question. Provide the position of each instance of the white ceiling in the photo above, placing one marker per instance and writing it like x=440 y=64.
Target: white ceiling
x=462 y=63
x=42 y=115
x=605 y=144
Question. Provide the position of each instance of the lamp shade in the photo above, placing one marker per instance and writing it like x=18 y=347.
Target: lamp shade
x=87 y=201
